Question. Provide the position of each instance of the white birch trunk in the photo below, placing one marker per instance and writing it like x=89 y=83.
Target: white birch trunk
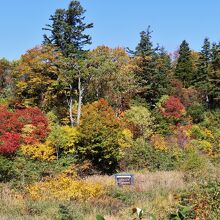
x=80 y=90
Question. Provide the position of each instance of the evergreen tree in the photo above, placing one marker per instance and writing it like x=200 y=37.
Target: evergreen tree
x=214 y=76
x=164 y=68
x=151 y=71
x=67 y=34
x=67 y=29
x=145 y=46
x=184 y=68
x=201 y=80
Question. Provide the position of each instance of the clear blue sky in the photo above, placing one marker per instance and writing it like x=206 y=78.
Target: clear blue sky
x=116 y=22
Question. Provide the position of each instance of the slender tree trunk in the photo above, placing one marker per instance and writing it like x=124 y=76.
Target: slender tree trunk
x=80 y=90
x=71 y=107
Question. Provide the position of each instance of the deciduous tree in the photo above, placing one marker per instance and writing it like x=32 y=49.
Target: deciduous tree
x=99 y=132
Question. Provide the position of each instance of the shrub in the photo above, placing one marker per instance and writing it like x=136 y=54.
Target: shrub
x=6 y=169
x=172 y=107
x=9 y=142
x=143 y=155
x=64 y=213
x=63 y=138
x=126 y=139
x=36 y=124
x=204 y=199
x=191 y=161
x=65 y=186
x=39 y=151
x=142 y=119
x=99 y=132
x=196 y=111
x=159 y=142
x=27 y=125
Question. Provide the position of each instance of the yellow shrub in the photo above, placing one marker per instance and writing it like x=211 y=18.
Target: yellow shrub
x=199 y=132
x=63 y=137
x=65 y=187
x=204 y=146
x=39 y=151
x=125 y=141
x=159 y=142
x=70 y=135
x=208 y=133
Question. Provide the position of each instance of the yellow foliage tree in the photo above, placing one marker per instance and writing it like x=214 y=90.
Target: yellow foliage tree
x=39 y=151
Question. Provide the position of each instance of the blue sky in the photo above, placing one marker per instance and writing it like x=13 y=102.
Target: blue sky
x=116 y=22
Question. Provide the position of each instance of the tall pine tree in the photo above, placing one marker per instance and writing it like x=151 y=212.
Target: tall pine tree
x=214 y=76
x=184 y=67
x=201 y=79
x=67 y=29
x=151 y=72
x=68 y=35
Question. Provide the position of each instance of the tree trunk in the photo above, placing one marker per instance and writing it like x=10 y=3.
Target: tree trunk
x=80 y=90
x=71 y=107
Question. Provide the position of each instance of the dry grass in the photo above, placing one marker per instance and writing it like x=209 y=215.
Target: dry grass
x=159 y=180
x=105 y=180
x=146 y=181
x=158 y=189
x=160 y=186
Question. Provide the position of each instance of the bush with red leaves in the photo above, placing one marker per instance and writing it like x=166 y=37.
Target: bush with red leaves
x=173 y=108
x=36 y=118
x=9 y=142
x=27 y=125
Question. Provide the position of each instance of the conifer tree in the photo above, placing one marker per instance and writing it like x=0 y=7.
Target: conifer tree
x=151 y=72
x=67 y=29
x=214 y=76
x=184 y=67
x=68 y=35
x=145 y=46
x=201 y=80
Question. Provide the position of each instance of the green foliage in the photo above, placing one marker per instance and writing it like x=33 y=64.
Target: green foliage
x=64 y=213
x=151 y=69
x=183 y=212
x=63 y=138
x=145 y=46
x=6 y=169
x=202 y=201
x=214 y=76
x=162 y=125
x=99 y=217
x=191 y=161
x=142 y=119
x=196 y=111
x=68 y=29
x=142 y=155
x=6 y=79
x=184 y=67
x=201 y=78
x=111 y=76
x=25 y=170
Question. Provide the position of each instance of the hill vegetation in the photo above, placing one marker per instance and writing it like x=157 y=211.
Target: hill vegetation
x=70 y=118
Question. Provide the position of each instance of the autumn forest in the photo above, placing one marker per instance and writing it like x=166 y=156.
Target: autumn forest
x=70 y=118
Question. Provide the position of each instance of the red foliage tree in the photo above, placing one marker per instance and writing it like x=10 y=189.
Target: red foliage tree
x=36 y=118
x=9 y=142
x=173 y=108
x=187 y=96
x=12 y=125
